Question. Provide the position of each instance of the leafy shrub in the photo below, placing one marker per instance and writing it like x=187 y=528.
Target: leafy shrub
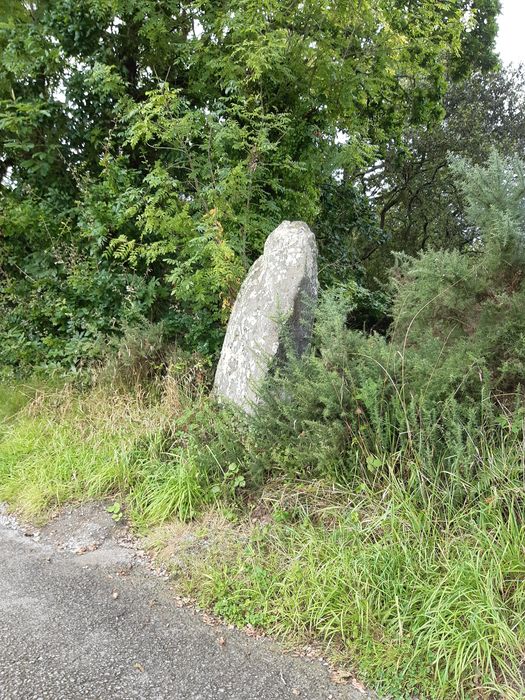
x=61 y=314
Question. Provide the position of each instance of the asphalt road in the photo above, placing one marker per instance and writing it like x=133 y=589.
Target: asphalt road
x=73 y=627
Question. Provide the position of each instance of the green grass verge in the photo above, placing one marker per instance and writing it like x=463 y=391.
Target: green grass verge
x=75 y=446
x=46 y=461
x=419 y=597
x=414 y=605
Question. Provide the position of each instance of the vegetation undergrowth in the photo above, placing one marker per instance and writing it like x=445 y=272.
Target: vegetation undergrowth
x=15 y=395
x=397 y=536
x=111 y=438
x=374 y=501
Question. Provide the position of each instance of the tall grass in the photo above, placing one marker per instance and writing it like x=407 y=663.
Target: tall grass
x=14 y=395
x=69 y=450
x=414 y=603
x=146 y=444
x=72 y=444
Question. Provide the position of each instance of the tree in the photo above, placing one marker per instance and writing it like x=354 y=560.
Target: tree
x=417 y=199
x=147 y=148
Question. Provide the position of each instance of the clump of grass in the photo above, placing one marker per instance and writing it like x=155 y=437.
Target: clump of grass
x=164 y=488
x=14 y=395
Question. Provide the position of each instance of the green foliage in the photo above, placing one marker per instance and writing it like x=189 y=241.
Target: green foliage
x=115 y=510
x=61 y=317
x=414 y=189
x=467 y=306
x=147 y=149
x=397 y=537
x=347 y=233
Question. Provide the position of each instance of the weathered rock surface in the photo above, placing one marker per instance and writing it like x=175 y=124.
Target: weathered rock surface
x=281 y=285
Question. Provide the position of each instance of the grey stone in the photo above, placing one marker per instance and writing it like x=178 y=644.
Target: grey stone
x=281 y=286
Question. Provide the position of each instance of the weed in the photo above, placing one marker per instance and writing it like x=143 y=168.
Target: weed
x=116 y=511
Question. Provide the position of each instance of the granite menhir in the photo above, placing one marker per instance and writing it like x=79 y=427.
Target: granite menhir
x=279 y=292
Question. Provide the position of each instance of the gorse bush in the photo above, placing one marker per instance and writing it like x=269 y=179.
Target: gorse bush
x=461 y=312
x=353 y=411
x=450 y=371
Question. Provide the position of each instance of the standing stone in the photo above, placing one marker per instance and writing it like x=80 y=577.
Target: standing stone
x=280 y=286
